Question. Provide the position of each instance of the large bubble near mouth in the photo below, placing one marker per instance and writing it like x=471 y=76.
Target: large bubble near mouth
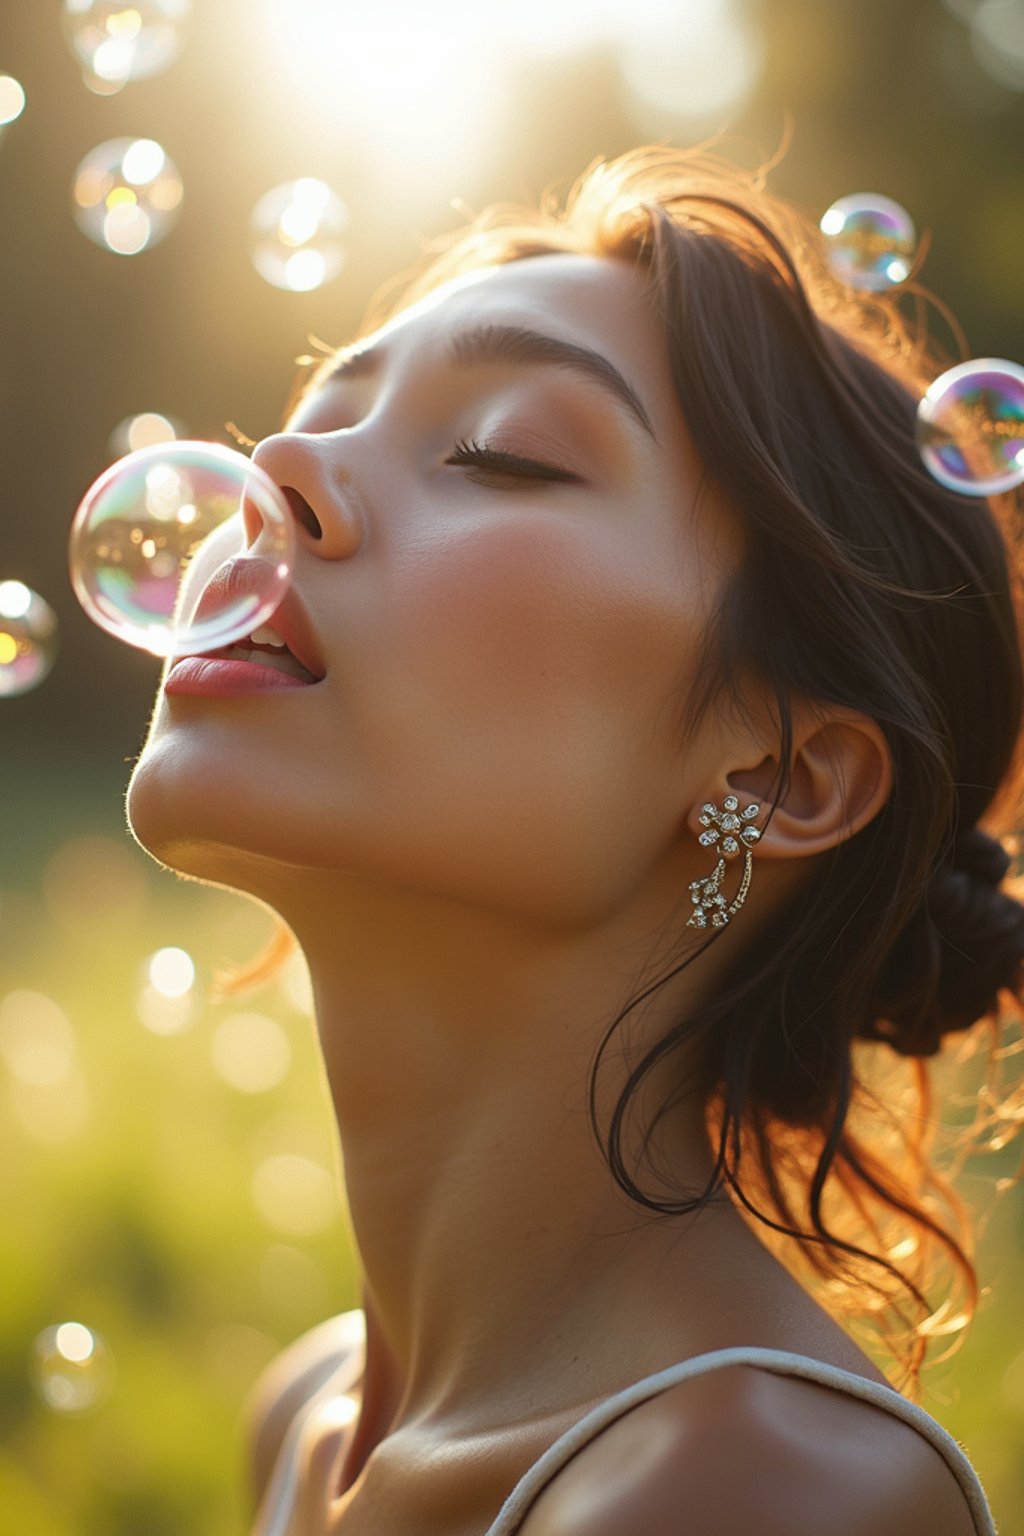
x=182 y=548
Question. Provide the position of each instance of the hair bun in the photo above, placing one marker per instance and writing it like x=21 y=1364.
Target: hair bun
x=963 y=946
x=982 y=856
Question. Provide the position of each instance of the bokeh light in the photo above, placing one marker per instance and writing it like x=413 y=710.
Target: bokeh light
x=28 y=638
x=250 y=1052
x=46 y=1092
x=144 y=430
x=171 y=972
x=12 y=99
x=687 y=65
x=126 y=195
x=72 y=1368
x=116 y=42
x=297 y=235
x=970 y=427
x=37 y=1042
x=294 y=1194
x=870 y=241
x=166 y=1001
x=419 y=85
x=157 y=525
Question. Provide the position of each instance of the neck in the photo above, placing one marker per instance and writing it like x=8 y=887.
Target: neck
x=458 y=1045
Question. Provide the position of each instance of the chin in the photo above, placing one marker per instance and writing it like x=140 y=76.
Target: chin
x=203 y=823
x=183 y=817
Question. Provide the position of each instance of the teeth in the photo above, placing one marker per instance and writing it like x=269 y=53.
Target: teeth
x=265 y=634
x=284 y=662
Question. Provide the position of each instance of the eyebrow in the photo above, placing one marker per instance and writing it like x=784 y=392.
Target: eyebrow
x=509 y=344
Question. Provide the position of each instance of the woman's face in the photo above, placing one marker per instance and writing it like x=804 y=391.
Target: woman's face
x=503 y=639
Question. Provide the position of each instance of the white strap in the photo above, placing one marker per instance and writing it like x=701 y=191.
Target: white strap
x=529 y=1487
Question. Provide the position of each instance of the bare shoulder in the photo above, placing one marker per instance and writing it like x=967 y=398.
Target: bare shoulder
x=287 y=1384
x=743 y=1450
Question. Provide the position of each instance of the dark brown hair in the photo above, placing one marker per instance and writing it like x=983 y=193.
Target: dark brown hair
x=864 y=584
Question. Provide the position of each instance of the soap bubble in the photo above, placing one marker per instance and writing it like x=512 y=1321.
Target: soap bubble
x=870 y=241
x=72 y=1368
x=28 y=638
x=116 y=42
x=970 y=427
x=296 y=235
x=126 y=195
x=154 y=528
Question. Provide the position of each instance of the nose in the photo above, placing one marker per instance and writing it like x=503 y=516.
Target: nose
x=319 y=489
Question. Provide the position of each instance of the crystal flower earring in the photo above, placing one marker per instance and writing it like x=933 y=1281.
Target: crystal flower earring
x=732 y=831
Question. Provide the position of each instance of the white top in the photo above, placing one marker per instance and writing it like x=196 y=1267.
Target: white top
x=346 y=1371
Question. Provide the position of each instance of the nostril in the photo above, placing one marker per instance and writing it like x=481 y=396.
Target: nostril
x=302 y=511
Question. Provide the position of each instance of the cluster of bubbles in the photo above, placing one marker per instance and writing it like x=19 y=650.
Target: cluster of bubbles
x=970 y=423
x=126 y=193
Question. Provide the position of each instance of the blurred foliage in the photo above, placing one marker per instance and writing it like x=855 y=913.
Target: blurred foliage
x=127 y=1184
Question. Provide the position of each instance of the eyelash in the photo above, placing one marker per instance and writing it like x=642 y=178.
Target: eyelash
x=497 y=461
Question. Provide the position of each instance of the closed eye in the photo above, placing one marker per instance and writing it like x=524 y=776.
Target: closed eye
x=496 y=462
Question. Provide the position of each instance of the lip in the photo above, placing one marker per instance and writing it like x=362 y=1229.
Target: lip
x=213 y=677
x=239 y=578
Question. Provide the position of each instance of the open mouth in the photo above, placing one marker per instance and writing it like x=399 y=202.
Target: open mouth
x=266 y=648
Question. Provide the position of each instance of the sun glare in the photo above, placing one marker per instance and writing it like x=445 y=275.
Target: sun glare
x=414 y=84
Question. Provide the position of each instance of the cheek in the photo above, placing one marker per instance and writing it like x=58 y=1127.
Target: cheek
x=532 y=615
x=537 y=662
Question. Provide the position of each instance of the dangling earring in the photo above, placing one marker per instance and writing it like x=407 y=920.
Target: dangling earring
x=733 y=830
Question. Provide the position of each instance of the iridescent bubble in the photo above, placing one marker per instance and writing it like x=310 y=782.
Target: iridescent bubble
x=28 y=638
x=182 y=548
x=870 y=241
x=296 y=235
x=115 y=43
x=12 y=99
x=72 y=1368
x=970 y=427
x=126 y=195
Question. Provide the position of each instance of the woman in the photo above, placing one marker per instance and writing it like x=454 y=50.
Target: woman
x=630 y=829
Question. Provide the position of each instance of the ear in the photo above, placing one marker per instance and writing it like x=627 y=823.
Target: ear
x=841 y=778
